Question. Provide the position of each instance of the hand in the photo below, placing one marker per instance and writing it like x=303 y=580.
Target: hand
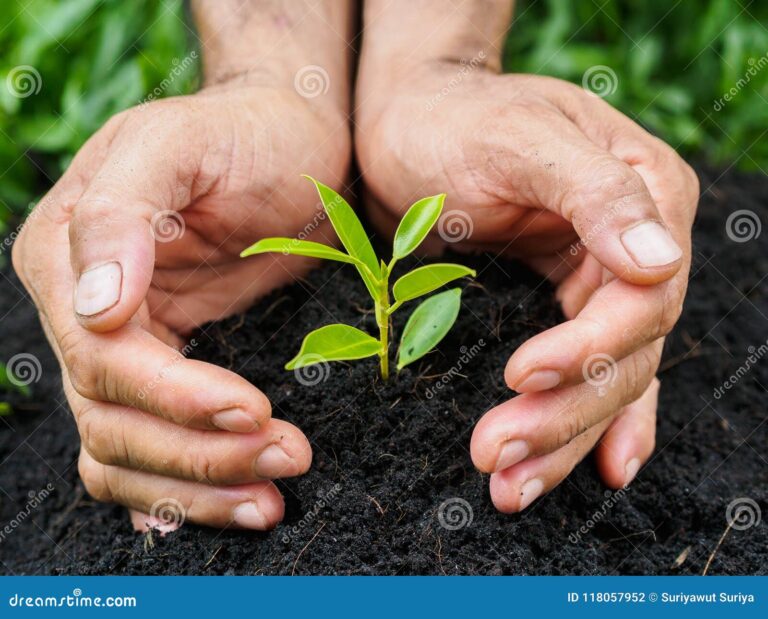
x=547 y=172
x=136 y=245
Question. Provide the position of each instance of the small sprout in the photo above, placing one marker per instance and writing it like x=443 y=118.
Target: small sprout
x=430 y=321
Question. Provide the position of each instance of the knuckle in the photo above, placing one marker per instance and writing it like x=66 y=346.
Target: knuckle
x=200 y=468
x=94 y=478
x=78 y=361
x=95 y=434
x=670 y=308
x=573 y=425
x=608 y=184
x=637 y=375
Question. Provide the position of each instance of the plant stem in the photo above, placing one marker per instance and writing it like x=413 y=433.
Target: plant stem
x=382 y=319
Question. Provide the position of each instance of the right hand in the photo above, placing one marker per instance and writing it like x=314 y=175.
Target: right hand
x=157 y=428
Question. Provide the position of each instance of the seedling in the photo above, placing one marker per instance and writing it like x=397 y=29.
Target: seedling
x=427 y=325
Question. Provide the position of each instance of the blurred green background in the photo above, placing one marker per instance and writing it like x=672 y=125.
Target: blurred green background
x=672 y=62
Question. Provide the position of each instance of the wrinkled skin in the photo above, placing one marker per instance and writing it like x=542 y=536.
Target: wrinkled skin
x=531 y=165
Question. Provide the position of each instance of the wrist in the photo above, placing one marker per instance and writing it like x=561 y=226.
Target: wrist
x=275 y=43
x=400 y=46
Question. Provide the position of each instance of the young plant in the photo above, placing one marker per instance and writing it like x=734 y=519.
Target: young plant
x=430 y=321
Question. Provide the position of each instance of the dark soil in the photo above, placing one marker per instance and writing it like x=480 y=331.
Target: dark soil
x=386 y=457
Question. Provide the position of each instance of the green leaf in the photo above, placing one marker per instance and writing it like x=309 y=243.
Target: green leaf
x=426 y=279
x=10 y=383
x=428 y=324
x=296 y=247
x=416 y=224
x=347 y=226
x=334 y=343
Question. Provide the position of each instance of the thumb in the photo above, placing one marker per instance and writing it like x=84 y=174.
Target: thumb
x=127 y=206
x=612 y=211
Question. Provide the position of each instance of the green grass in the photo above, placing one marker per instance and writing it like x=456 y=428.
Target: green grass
x=673 y=60
x=96 y=57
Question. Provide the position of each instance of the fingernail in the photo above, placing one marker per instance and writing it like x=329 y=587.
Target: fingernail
x=234 y=420
x=273 y=462
x=530 y=492
x=248 y=516
x=630 y=470
x=650 y=244
x=511 y=453
x=98 y=289
x=540 y=380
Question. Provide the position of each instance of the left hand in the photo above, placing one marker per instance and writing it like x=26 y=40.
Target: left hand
x=551 y=174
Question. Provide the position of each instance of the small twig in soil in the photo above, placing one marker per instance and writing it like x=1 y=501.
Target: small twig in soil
x=272 y=308
x=213 y=556
x=395 y=403
x=301 y=552
x=440 y=554
x=719 y=543
x=238 y=325
x=149 y=541
x=382 y=511
x=365 y=311
x=682 y=557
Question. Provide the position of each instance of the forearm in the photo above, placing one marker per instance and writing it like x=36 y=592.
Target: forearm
x=405 y=34
x=270 y=41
